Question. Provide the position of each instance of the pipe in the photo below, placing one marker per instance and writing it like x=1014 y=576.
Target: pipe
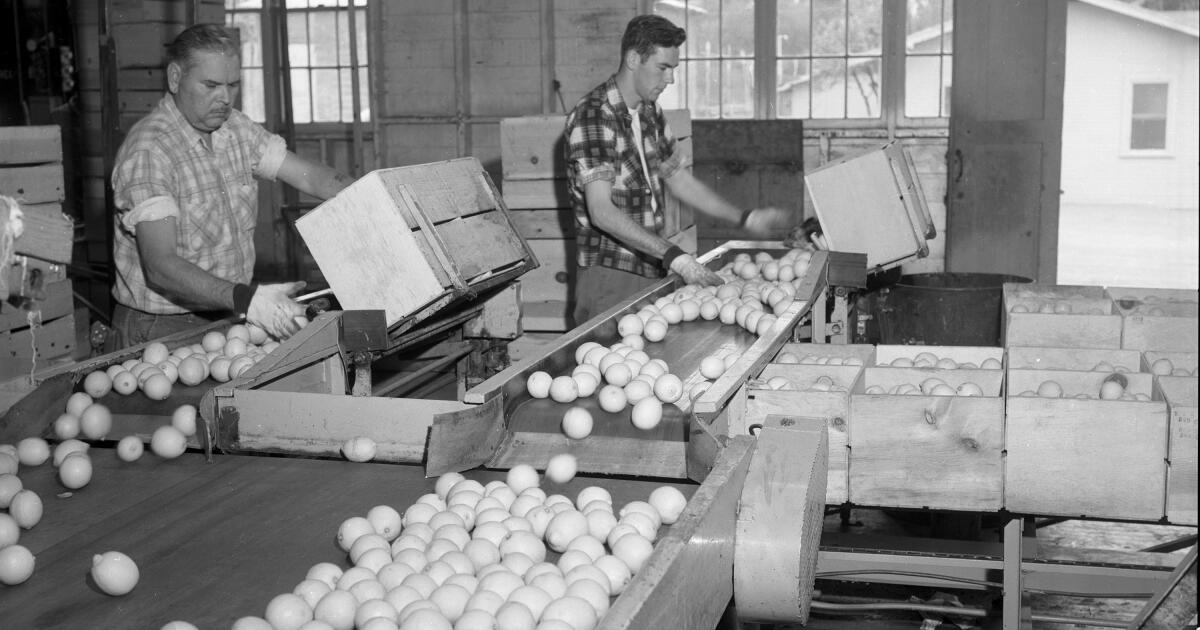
x=400 y=381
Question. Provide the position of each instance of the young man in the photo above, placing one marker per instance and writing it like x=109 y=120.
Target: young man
x=186 y=201
x=619 y=154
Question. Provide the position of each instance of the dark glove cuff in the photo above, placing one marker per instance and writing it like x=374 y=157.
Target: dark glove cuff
x=672 y=253
x=745 y=217
x=242 y=294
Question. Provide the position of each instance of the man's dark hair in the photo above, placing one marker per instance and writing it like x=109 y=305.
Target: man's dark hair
x=206 y=38
x=645 y=33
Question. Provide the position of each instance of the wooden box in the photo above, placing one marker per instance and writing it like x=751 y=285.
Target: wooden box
x=1181 y=363
x=1179 y=392
x=826 y=354
x=34 y=144
x=410 y=240
x=1060 y=317
x=48 y=233
x=872 y=203
x=1171 y=326
x=940 y=357
x=920 y=451
x=832 y=407
x=1084 y=457
x=1077 y=359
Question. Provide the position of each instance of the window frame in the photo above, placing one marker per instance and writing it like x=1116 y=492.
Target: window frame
x=1126 y=138
x=892 y=74
x=277 y=97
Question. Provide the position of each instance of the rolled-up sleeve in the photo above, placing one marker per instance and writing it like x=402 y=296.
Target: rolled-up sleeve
x=143 y=188
x=271 y=151
x=592 y=150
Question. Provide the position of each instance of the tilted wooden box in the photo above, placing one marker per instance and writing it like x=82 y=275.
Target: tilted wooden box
x=1060 y=316
x=833 y=407
x=1180 y=394
x=412 y=239
x=1084 y=456
x=940 y=452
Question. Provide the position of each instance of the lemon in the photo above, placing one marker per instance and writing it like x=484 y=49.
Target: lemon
x=633 y=550
x=75 y=471
x=114 y=572
x=561 y=468
x=374 y=609
x=514 y=616
x=95 y=421
x=130 y=448
x=668 y=502
x=647 y=413
x=573 y=610
x=26 y=508
x=538 y=384
x=251 y=623
x=359 y=449
x=184 y=419
x=10 y=485
x=66 y=426
x=77 y=403
x=287 y=611
x=616 y=571
x=311 y=590
x=425 y=617
x=336 y=608
x=168 y=442
x=16 y=564
x=365 y=543
x=10 y=532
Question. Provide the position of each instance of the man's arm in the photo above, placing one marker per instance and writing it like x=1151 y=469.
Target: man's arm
x=167 y=272
x=310 y=177
x=609 y=219
x=759 y=222
x=695 y=193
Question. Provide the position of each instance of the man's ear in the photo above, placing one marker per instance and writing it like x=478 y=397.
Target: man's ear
x=174 y=74
x=632 y=59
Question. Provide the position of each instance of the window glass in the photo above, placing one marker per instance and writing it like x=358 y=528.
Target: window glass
x=1148 y=127
x=927 y=48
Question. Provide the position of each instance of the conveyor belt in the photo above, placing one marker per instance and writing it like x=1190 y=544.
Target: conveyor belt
x=686 y=344
x=214 y=542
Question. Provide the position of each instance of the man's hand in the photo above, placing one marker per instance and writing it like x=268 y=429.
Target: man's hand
x=693 y=272
x=763 y=222
x=273 y=309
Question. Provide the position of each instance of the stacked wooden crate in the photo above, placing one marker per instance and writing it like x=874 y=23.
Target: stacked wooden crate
x=37 y=325
x=534 y=184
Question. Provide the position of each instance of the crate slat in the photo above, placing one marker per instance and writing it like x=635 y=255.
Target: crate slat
x=31 y=145
x=1180 y=394
x=48 y=233
x=33 y=184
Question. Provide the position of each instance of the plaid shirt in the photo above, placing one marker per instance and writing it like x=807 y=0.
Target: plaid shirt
x=600 y=146
x=164 y=168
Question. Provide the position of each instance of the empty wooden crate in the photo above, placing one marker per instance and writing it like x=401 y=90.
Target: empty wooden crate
x=411 y=240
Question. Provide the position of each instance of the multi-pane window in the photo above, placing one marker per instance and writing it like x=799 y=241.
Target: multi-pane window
x=1148 y=117
x=826 y=60
x=319 y=56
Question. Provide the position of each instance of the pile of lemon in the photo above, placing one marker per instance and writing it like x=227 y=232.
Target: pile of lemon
x=470 y=556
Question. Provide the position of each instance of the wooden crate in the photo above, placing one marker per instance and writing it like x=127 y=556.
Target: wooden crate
x=940 y=452
x=1131 y=297
x=36 y=144
x=831 y=407
x=26 y=274
x=48 y=234
x=871 y=203
x=1084 y=457
x=821 y=353
x=885 y=355
x=1180 y=394
x=33 y=184
x=410 y=240
x=1087 y=317
x=1078 y=359
x=36 y=348
x=1169 y=326
x=1182 y=363
x=55 y=300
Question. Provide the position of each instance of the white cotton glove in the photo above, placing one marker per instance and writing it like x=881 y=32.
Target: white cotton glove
x=693 y=272
x=764 y=222
x=273 y=309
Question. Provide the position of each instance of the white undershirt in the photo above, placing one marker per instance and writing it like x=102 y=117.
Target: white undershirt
x=637 y=139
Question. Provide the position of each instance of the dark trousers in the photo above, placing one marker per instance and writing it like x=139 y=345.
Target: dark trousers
x=131 y=327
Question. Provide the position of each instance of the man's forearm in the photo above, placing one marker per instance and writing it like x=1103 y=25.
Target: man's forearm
x=183 y=280
x=627 y=232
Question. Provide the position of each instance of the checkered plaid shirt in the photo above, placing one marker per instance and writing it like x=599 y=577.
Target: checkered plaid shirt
x=600 y=146
x=164 y=168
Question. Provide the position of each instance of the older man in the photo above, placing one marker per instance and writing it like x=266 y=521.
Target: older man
x=186 y=201
x=619 y=154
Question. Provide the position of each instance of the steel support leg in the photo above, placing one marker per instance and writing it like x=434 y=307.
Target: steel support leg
x=1016 y=610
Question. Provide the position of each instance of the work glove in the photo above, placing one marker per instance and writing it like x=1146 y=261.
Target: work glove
x=273 y=309
x=765 y=222
x=693 y=272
